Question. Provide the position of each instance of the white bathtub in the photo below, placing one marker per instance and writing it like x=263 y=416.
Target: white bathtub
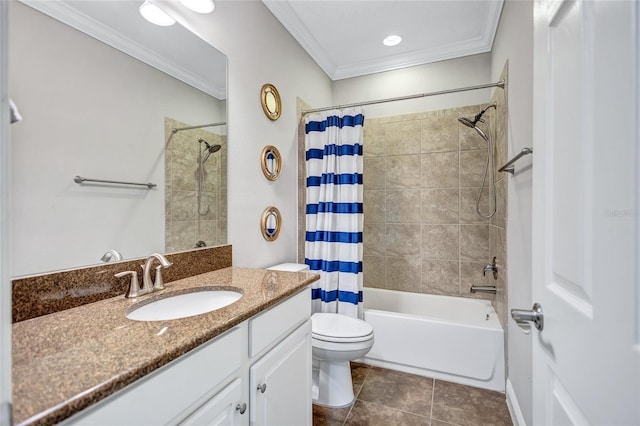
x=450 y=338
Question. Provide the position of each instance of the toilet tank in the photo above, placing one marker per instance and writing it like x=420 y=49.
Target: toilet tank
x=290 y=267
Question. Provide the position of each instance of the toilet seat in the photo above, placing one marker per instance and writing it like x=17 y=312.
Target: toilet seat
x=337 y=328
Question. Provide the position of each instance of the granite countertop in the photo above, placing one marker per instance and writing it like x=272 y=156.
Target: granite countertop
x=69 y=360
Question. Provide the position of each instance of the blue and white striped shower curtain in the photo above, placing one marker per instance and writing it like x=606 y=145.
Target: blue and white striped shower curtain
x=334 y=216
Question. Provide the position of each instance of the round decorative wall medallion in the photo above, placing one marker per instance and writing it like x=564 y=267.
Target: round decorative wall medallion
x=270 y=100
x=271 y=162
x=271 y=223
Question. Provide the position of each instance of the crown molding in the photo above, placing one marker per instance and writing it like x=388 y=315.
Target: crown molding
x=405 y=60
x=92 y=27
x=283 y=11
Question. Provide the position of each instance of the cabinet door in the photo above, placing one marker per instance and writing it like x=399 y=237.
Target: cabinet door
x=225 y=408
x=280 y=382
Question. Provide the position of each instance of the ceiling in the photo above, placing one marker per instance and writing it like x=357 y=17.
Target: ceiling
x=345 y=36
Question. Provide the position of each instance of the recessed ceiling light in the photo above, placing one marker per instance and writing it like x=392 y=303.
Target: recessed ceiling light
x=392 y=40
x=155 y=15
x=200 y=6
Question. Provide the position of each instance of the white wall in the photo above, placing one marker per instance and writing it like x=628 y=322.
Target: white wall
x=453 y=73
x=514 y=42
x=259 y=51
x=93 y=111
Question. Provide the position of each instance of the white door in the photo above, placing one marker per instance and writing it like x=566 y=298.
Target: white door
x=585 y=213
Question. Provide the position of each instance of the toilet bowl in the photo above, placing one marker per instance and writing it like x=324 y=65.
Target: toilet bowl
x=335 y=341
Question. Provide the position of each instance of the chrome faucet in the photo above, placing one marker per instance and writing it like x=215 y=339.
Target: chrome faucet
x=111 y=255
x=134 y=289
x=147 y=285
x=492 y=267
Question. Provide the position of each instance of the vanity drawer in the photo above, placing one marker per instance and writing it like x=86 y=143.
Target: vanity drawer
x=271 y=326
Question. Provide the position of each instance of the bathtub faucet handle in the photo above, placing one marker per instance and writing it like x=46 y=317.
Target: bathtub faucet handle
x=491 y=267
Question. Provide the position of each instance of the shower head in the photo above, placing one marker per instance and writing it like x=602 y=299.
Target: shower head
x=467 y=122
x=478 y=118
x=210 y=148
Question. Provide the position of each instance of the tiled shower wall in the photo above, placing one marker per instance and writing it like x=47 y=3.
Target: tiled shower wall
x=422 y=175
x=184 y=226
x=498 y=223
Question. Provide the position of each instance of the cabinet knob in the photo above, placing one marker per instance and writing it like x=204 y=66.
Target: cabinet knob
x=241 y=408
x=262 y=388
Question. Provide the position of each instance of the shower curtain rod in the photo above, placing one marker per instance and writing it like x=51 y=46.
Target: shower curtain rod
x=499 y=84
x=174 y=130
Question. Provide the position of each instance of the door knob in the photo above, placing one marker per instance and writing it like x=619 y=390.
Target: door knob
x=262 y=388
x=241 y=408
x=523 y=318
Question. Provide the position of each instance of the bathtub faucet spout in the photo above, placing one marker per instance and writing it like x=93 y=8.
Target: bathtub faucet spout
x=491 y=289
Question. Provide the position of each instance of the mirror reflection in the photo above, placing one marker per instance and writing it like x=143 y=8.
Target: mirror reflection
x=195 y=185
x=271 y=223
x=271 y=103
x=91 y=110
x=271 y=162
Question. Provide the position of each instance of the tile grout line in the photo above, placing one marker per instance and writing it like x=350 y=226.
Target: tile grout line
x=393 y=408
x=356 y=398
x=433 y=398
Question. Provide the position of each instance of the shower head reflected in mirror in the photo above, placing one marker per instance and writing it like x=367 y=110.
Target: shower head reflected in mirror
x=208 y=150
x=203 y=156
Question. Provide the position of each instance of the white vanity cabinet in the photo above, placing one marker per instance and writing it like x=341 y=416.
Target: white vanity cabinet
x=173 y=392
x=225 y=408
x=217 y=383
x=280 y=382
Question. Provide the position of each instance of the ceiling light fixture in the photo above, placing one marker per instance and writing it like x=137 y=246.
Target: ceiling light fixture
x=392 y=40
x=155 y=15
x=200 y=6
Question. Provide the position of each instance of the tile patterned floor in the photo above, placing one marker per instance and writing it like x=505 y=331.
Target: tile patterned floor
x=389 y=398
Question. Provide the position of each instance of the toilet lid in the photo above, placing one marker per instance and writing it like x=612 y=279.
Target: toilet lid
x=339 y=326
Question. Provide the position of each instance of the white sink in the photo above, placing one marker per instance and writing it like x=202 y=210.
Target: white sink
x=185 y=305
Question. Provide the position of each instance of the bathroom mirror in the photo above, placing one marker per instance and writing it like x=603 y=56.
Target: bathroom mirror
x=271 y=162
x=271 y=223
x=270 y=100
x=95 y=83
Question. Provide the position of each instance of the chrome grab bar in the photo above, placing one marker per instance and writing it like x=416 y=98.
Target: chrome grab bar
x=80 y=179
x=509 y=168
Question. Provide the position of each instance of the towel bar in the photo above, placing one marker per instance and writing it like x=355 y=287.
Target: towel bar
x=80 y=179
x=509 y=168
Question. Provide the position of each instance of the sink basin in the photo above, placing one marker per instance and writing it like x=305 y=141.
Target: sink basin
x=185 y=305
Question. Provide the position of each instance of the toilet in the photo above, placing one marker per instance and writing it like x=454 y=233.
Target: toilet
x=335 y=340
